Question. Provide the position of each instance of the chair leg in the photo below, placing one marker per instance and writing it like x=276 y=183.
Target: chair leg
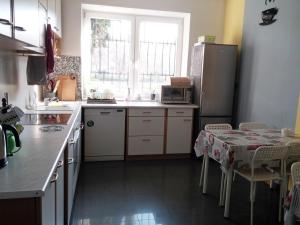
x=205 y=174
x=254 y=192
x=202 y=171
x=224 y=189
x=221 y=189
x=251 y=201
x=280 y=200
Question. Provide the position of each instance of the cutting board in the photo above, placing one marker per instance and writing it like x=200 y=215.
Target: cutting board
x=67 y=88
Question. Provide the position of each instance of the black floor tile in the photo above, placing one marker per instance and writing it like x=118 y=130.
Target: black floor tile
x=163 y=193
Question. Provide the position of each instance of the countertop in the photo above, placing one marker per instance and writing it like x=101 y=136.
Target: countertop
x=138 y=104
x=29 y=171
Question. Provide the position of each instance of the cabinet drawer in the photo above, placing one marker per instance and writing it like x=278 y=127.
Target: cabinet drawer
x=145 y=145
x=146 y=112
x=139 y=126
x=180 y=112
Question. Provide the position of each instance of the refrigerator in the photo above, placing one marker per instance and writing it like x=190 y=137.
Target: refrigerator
x=213 y=72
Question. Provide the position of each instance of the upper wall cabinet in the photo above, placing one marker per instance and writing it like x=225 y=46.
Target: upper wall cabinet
x=26 y=24
x=54 y=16
x=6 y=18
x=42 y=25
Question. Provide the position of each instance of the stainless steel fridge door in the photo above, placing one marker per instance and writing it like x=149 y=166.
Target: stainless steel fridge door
x=196 y=71
x=218 y=80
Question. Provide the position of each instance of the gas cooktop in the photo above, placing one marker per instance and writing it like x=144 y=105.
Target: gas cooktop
x=45 y=119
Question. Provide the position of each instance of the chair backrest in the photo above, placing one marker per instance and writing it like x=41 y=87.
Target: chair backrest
x=269 y=153
x=252 y=125
x=295 y=172
x=218 y=126
x=294 y=149
x=265 y=153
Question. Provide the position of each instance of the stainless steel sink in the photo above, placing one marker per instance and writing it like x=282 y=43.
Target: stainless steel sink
x=46 y=119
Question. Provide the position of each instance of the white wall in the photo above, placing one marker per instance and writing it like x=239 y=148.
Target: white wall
x=13 y=78
x=206 y=17
x=270 y=65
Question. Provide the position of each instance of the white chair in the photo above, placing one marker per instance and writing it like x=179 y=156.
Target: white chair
x=295 y=172
x=292 y=156
x=205 y=163
x=290 y=216
x=252 y=126
x=255 y=174
x=218 y=126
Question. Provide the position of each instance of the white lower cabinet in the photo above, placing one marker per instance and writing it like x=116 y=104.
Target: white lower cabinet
x=74 y=159
x=48 y=205
x=53 y=200
x=151 y=133
x=146 y=145
x=179 y=135
x=145 y=132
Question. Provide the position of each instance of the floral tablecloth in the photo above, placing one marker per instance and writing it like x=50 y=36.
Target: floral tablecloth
x=236 y=146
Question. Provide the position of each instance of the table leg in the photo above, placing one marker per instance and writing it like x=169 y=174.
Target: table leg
x=228 y=191
x=205 y=173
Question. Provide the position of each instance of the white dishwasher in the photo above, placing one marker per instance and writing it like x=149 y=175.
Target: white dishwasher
x=104 y=134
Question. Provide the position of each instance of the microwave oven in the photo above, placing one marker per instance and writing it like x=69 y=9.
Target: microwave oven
x=176 y=95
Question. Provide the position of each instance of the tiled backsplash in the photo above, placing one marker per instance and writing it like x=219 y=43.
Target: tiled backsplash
x=69 y=65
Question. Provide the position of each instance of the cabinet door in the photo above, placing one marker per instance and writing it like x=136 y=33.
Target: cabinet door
x=179 y=135
x=49 y=205
x=51 y=13
x=60 y=192
x=70 y=176
x=57 y=27
x=6 y=18
x=42 y=25
x=26 y=25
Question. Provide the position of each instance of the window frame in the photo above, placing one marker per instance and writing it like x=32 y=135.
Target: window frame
x=135 y=20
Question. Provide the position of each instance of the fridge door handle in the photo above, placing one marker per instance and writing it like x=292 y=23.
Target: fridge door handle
x=201 y=100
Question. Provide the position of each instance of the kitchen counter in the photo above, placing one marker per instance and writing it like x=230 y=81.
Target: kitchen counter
x=138 y=104
x=29 y=171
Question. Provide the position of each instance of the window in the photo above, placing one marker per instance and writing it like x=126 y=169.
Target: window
x=130 y=53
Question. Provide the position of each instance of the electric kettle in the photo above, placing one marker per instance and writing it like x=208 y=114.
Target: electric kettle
x=3 y=146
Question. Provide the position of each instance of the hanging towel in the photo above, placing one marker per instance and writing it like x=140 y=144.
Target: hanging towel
x=36 y=70
x=49 y=49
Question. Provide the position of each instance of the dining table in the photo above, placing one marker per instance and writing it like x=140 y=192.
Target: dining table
x=234 y=149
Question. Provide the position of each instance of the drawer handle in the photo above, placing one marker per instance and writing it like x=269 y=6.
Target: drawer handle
x=147 y=120
x=187 y=120
x=5 y=22
x=18 y=28
x=60 y=164
x=146 y=112
x=55 y=178
x=146 y=140
x=70 y=161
